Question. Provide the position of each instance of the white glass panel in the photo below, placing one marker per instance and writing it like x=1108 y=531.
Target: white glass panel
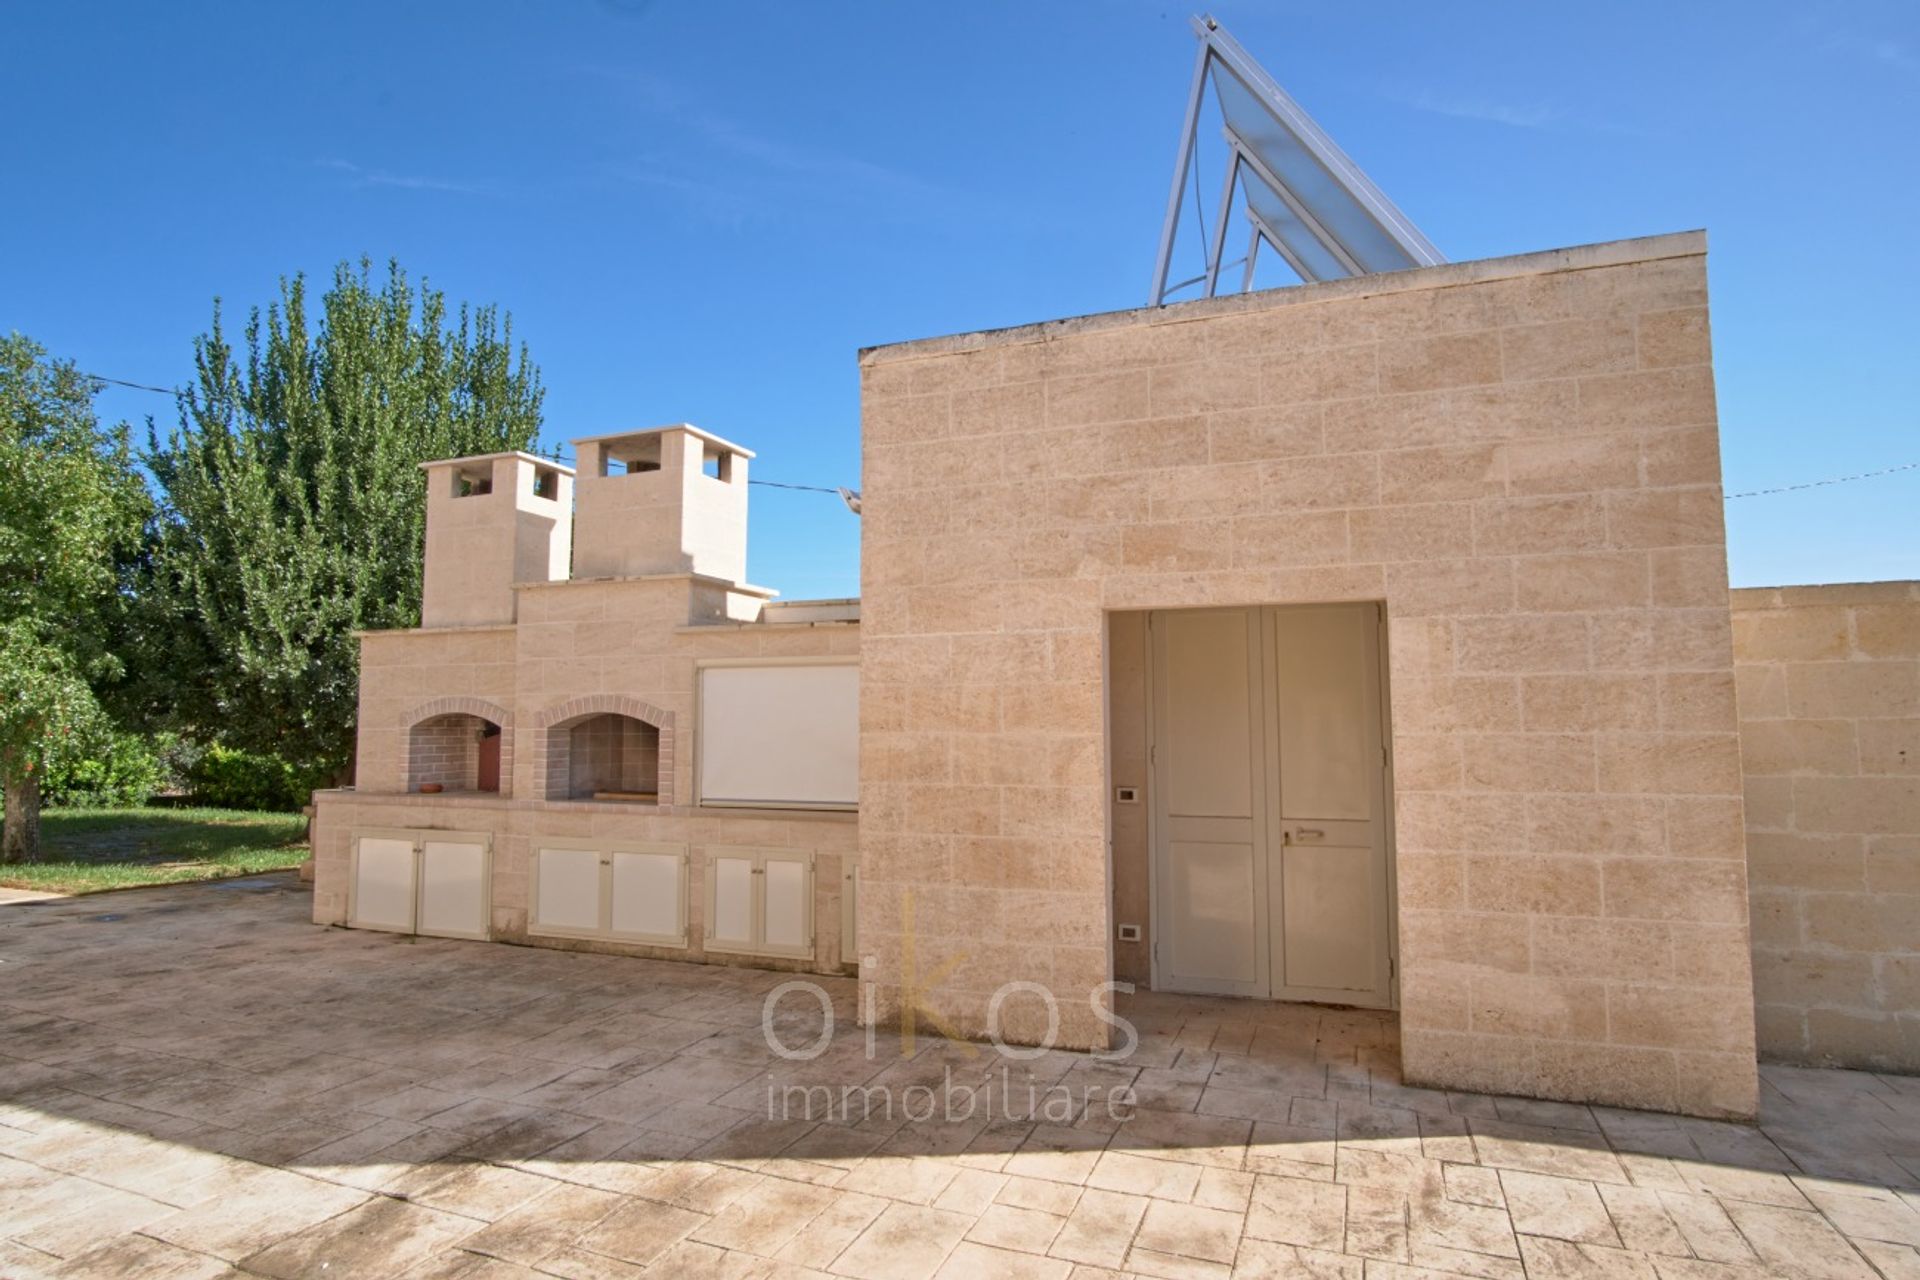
x=1320 y=264
x=780 y=734
x=646 y=894
x=568 y=889
x=787 y=902
x=732 y=922
x=1331 y=202
x=453 y=888
x=383 y=884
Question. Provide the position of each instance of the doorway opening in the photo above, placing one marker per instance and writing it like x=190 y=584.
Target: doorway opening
x=1251 y=808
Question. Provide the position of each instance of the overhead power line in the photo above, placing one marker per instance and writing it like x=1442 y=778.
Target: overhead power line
x=1815 y=484
x=137 y=386
x=820 y=488
x=174 y=391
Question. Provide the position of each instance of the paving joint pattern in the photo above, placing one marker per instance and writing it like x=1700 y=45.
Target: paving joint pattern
x=211 y=1086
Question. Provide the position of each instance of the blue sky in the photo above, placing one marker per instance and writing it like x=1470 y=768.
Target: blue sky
x=701 y=212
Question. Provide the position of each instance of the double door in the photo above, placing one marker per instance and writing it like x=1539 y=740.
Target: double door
x=615 y=890
x=760 y=902
x=1270 y=847
x=417 y=881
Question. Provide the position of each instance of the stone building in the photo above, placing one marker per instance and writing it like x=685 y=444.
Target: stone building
x=526 y=769
x=1364 y=642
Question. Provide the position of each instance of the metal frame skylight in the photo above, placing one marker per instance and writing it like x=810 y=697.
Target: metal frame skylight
x=1304 y=197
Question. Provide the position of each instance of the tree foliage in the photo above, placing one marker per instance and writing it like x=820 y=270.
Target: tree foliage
x=71 y=512
x=293 y=504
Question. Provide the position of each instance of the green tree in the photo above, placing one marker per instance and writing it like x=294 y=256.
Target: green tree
x=71 y=512
x=293 y=505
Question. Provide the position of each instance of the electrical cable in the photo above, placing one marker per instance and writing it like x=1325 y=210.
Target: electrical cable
x=1815 y=484
x=816 y=488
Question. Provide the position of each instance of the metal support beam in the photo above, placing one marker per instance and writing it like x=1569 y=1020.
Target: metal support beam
x=1279 y=246
x=1219 y=246
x=1176 y=196
x=1253 y=254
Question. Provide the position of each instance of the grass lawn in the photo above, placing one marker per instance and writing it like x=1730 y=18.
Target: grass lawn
x=87 y=850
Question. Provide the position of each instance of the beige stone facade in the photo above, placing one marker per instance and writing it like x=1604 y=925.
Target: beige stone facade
x=1516 y=460
x=1520 y=459
x=587 y=682
x=1829 y=681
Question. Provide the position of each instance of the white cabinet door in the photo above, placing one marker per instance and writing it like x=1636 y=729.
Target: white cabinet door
x=730 y=900
x=619 y=891
x=383 y=890
x=786 y=904
x=566 y=891
x=416 y=881
x=453 y=889
x=760 y=902
x=647 y=890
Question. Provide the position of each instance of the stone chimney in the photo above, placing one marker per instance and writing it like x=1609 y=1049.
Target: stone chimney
x=668 y=500
x=492 y=521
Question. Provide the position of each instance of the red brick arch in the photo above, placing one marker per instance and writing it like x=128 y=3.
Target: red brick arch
x=461 y=706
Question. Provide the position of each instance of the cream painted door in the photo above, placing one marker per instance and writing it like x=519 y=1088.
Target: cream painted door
x=383 y=884
x=1327 y=887
x=1269 y=804
x=786 y=904
x=1209 y=804
x=566 y=890
x=760 y=901
x=647 y=894
x=454 y=895
x=731 y=875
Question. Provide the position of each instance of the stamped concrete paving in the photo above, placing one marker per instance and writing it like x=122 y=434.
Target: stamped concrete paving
x=196 y=1082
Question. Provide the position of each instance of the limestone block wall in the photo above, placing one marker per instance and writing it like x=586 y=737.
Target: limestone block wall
x=1829 y=681
x=410 y=677
x=580 y=649
x=634 y=640
x=1127 y=721
x=1520 y=458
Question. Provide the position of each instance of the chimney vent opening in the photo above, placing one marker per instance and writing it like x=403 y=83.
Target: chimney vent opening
x=630 y=457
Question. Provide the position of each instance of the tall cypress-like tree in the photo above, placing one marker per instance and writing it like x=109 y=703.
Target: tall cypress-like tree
x=293 y=504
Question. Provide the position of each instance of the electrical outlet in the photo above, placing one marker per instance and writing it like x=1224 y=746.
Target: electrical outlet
x=1129 y=933
x=1127 y=795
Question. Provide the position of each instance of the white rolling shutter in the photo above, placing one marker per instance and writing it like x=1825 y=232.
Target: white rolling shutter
x=781 y=735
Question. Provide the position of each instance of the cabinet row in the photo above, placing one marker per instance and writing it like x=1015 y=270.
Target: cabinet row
x=758 y=901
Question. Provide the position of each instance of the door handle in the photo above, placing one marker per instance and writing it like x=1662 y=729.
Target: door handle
x=1311 y=833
